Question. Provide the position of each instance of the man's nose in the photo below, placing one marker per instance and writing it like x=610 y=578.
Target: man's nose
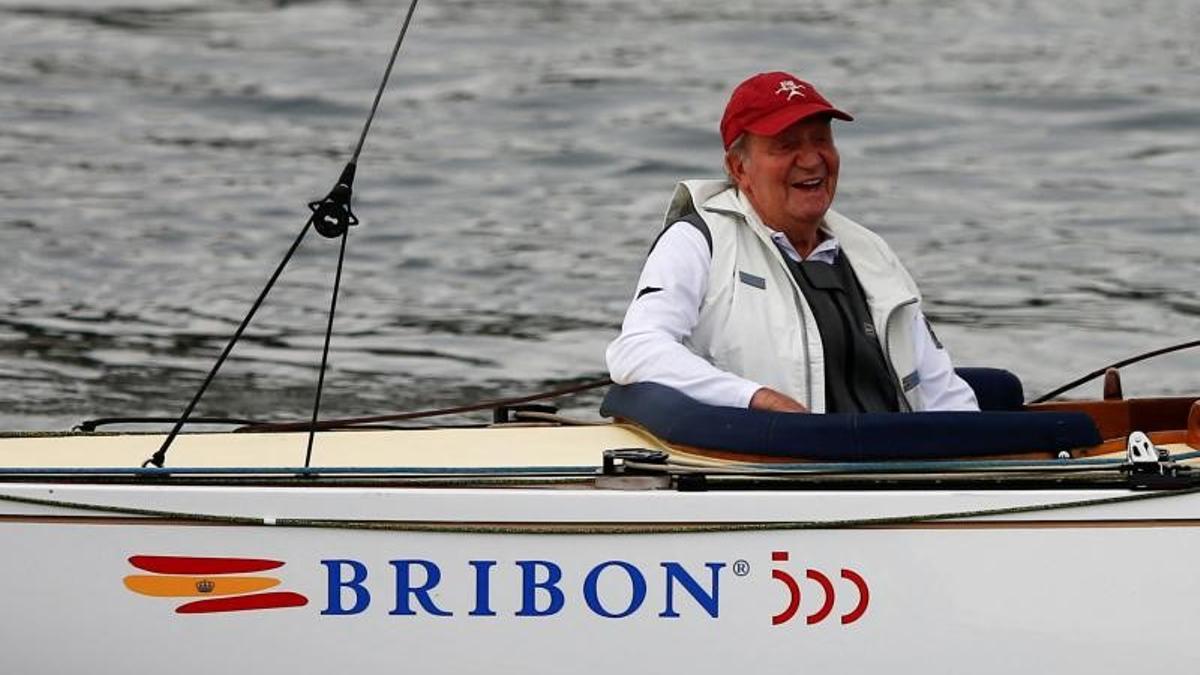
x=807 y=157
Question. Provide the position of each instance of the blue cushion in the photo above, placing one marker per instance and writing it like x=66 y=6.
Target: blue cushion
x=995 y=389
x=677 y=418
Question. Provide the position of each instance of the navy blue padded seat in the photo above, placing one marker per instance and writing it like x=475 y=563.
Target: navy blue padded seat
x=680 y=419
x=995 y=388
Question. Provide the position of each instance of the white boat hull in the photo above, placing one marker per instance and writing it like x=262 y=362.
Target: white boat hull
x=1097 y=588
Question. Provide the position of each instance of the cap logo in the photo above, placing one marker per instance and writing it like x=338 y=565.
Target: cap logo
x=792 y=88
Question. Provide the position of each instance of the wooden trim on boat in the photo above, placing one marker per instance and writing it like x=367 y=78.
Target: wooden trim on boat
x=1192 y=436
x=1114 y=447
x=1118 y=418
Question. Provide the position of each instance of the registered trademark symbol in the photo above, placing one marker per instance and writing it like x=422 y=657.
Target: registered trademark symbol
x=741 y=568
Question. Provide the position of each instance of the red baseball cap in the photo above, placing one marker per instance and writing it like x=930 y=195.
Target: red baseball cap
x=768 y=103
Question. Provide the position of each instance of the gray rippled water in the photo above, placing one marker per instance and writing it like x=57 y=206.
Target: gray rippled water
x=1034 y=162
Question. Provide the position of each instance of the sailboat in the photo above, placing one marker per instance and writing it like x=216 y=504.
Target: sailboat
x=1053 y=535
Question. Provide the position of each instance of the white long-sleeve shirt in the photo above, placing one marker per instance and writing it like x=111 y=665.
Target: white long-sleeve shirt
x=666 y=307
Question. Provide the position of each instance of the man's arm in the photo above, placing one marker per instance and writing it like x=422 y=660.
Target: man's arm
x=941 y=388
x=664 y=311
x=769 y=399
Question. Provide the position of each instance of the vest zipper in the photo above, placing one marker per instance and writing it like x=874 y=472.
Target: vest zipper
x=805 y=310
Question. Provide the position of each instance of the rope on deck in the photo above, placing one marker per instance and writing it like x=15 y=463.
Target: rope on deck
x=591 y=528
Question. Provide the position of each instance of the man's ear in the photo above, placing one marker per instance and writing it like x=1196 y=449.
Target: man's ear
x=735 y=166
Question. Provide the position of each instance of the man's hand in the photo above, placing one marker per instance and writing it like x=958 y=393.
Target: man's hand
x=769 y=399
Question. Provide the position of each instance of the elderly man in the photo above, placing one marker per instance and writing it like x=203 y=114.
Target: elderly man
x=756 y=294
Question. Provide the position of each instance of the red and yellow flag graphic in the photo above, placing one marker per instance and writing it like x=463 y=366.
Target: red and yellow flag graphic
x=225 y=584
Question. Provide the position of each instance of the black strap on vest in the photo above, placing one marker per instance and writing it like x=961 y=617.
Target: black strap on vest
x=858 y=378
x=695 y=221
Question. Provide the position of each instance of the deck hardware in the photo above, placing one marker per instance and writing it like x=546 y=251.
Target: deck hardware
x=1139 y=450
x=614 y=460
x=691 y=482
x=1112 y=385
x=1144 y=458
x=504 y=414
x=332 y=216
x=631 y=483
x=618 y=476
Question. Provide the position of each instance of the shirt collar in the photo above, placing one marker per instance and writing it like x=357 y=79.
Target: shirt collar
x=826 y=251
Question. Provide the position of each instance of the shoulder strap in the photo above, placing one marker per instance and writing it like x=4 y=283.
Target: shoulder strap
x=695 y=221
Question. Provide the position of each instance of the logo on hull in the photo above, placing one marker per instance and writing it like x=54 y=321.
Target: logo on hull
x=611 y=589
x=232 y=583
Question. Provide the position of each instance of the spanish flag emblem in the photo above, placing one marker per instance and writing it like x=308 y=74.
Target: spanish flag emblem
x=217 y=584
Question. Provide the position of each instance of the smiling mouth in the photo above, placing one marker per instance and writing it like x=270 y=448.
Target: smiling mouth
x=810 y=184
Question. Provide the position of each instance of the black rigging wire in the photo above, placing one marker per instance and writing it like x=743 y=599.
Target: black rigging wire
x=331 y=217
x=337 y=282
x=89 y=426
x=491 y=404
x=160 y=455
x=387 y=73
x=1119 y=364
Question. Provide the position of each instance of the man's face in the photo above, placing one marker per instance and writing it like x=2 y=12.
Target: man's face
x=790 y=178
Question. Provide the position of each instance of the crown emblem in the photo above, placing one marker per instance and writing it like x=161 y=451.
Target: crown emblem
x=205 y=586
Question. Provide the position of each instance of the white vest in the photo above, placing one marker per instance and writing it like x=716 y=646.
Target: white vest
x=754 y=320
